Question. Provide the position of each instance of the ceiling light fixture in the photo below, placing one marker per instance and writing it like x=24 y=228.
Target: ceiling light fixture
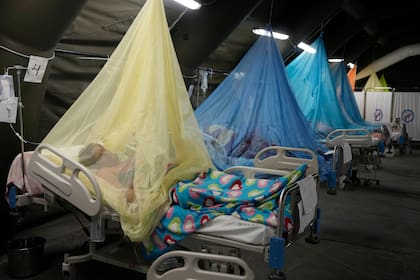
x=264 y=32
x=335 y=59
x=306 y=47
x=190 y=4
x=350 y=65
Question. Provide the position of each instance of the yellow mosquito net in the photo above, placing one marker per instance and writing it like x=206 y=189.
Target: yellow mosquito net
x=134 y=127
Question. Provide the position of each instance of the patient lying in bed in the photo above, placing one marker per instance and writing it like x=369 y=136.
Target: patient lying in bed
x=108 y=166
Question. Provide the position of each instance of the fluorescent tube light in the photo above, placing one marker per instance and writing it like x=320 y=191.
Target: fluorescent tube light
x=306 y=47
x=190 y=4
x=335 y=59
x=276 y=35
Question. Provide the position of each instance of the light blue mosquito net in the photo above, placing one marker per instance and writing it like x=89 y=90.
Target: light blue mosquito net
x=253 y=108
x=346 y=96
x=314 y=88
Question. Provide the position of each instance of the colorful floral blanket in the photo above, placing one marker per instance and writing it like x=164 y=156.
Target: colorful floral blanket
x=214 y=193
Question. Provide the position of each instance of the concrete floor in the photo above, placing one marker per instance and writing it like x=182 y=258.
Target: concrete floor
x=367 y=232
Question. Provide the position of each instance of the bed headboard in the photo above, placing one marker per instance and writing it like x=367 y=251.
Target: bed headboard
x=286 y=158
x=63 y=177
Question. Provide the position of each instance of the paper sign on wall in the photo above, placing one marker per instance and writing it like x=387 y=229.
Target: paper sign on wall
x=36 y=69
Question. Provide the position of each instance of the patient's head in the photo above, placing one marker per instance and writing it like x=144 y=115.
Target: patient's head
x=96 y=153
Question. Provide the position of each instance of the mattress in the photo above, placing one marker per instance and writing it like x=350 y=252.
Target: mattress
x=232 y=228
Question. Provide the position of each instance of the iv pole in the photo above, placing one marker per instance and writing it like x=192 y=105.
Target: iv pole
x=20 y=112
x=19 y=69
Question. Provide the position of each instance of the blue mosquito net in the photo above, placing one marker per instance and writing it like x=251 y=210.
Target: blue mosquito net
x=312 y=83
x=346 y=96
x=253 y=108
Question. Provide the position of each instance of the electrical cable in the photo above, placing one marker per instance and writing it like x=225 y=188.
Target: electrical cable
x=271 y=12
x=178 y=19
x=21 y=138
x=22 y=54
x=65 y=206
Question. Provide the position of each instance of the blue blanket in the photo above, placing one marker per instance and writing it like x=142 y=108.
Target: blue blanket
x=214 y=193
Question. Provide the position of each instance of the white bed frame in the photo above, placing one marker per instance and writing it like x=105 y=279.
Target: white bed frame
x=54 y=177
x=357 y=138
x=221 y=255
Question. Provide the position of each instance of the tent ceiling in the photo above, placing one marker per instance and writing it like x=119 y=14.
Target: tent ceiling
x=219 y=34
x=360 y=31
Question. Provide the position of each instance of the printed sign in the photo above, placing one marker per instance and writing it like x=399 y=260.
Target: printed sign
x=407 y=115
x=36 y=69
x=378 y=115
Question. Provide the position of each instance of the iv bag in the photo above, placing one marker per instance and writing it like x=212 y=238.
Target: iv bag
x=6 y=87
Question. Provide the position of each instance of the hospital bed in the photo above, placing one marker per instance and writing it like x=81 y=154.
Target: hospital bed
x=367 y=151
x=399 y=139
x=216 y=251
x=347 y=145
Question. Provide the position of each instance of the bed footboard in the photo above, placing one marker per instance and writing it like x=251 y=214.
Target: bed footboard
x=264 y=259
x=62 y=176
x=192 y=265
x=354 y=137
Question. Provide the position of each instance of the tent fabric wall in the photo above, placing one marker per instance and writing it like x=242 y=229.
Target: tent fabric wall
x=81 y=53
x=18 y=42
x=406 y=106
x=386 y=106
x=378 y=107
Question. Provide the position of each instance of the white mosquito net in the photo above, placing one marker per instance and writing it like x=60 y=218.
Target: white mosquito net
x=134 y=126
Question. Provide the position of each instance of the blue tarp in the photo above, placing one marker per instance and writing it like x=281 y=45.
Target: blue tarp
x=312 y=83
x=346 y=96
x=254 y=107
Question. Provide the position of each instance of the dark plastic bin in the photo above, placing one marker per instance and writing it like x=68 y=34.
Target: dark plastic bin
x=25 y=256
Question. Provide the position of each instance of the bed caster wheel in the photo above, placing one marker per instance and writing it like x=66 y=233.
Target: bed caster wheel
x=278 y=275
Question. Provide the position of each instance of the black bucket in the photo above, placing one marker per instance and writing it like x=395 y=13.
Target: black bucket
x=25 y=256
